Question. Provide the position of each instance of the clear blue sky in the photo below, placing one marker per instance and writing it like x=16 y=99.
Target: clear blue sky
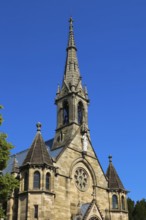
x=111 y=41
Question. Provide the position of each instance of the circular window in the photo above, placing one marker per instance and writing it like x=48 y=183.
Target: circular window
x=81 y=179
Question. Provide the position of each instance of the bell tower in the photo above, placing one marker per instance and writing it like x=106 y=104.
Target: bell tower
x=71 y=98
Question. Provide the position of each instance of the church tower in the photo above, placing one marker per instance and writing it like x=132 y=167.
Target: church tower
x=71 y=99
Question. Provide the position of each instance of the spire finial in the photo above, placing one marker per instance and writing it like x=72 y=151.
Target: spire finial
x=110 y=158
x=38 y=125
x=15 y=166
x=71 y=41
x=71 y=24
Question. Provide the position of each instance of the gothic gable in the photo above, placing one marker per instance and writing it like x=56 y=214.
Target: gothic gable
x=93 y=212
x=75 y=152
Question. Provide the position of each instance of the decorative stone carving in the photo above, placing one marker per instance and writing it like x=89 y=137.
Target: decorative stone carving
x=85 y=142
x=84 y=128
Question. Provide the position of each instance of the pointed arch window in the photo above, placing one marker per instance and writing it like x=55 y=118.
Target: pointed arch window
x=36 y=180
x=123 y=202
x=65 y=113
x=25 y=181
x=114 y=202
x=48 y=181
x=80 y=112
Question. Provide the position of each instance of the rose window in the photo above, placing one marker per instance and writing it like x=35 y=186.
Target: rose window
x=81 y=179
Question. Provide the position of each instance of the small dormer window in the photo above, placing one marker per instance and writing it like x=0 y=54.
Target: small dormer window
x=115 y=202
x=80 y=112
x=36 y=180
x=65 y=113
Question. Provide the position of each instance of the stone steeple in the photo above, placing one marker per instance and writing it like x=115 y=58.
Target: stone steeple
x=71 y=79
x=71 y=98
x=38 y=154
x=71 y=73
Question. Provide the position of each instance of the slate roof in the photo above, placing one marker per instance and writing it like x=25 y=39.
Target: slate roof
x=84 y=208
x=38 y=153
x=114 y=181
x=22 y=155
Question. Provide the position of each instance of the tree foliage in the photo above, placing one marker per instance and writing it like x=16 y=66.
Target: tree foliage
x=5 y=147
x=1 y=119
x=131 y=205
x=137 y=211
x=7 y=182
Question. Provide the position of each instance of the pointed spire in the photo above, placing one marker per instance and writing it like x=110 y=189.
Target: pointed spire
x=15 y=166
x=71 y=41
x=38 y=153
x=71 y=73
x=114 y=181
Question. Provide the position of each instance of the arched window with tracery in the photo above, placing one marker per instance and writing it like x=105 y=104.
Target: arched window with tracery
x=80 y=112
x=123 y=202
x=25 y=181
x=114 y=202
x=36 y=180
x=47 y=181
x=65 y=112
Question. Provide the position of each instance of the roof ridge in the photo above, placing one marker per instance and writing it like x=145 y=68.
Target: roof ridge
x=34 y=146
x=42 y=142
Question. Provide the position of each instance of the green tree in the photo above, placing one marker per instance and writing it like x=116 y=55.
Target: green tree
x=7 y=182
x=131 y=206
x=139 y=212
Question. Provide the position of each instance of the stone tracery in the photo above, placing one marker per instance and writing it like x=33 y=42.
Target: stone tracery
x=81 y=179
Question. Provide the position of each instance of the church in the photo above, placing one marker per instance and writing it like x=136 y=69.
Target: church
x=62 y=178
